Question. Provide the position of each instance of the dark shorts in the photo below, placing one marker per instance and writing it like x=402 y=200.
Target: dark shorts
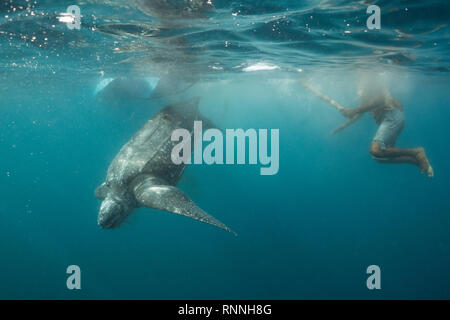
x=390 y=128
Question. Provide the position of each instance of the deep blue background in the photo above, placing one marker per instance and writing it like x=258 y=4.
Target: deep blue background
x=308 y=232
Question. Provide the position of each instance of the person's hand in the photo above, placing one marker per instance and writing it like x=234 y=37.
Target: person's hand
x=348 y=113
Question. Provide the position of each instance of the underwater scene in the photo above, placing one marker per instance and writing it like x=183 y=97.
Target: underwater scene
x=219 y=149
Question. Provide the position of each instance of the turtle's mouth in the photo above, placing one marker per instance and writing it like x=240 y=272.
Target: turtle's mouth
x=110 y=223
x=111 y=214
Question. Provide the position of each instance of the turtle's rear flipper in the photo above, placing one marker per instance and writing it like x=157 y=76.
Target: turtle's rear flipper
x=153 y=193
x=169 y=86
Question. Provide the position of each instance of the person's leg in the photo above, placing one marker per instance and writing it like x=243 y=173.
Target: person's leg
x=414 y=156
x=383 y=145
x=424 y=164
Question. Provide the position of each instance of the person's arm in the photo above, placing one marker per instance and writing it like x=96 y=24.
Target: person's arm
x=352 y=119
x=362 y=108
x=354 y=114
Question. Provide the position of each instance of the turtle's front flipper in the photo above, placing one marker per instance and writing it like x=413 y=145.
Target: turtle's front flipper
x=101 y=191
x=155 y=193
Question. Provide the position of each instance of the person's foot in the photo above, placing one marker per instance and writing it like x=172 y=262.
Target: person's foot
x=424 y=164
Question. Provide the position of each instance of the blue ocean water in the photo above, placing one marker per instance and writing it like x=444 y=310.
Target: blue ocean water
x=308 y=232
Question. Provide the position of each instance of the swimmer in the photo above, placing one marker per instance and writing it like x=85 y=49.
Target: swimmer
x=388 y=114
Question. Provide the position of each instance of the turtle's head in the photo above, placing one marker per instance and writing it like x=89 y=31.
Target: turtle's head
x=113 y=210
x=111 y=213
